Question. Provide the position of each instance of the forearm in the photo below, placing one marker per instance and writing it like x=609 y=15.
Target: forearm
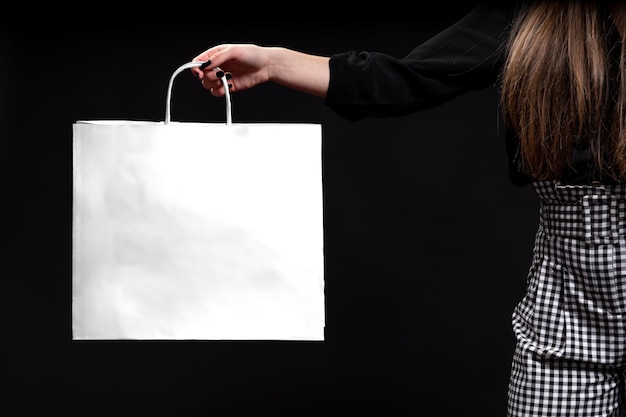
x=299 y=71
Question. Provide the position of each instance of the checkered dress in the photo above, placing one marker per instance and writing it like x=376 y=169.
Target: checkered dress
x=571 y=325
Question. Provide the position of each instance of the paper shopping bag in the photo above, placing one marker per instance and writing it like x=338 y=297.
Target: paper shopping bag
x=197 y=231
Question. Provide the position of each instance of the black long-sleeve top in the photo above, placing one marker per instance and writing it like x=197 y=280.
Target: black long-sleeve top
x=466 y=56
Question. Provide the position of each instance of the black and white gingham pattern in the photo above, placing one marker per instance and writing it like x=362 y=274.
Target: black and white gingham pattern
x=571 y=325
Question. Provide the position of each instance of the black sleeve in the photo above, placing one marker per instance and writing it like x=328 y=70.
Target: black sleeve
x=466 y=56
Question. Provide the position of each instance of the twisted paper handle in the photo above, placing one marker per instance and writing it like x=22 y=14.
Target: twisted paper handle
x=168 y=100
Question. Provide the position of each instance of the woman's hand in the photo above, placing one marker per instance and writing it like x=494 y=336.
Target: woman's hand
x=249 y=62
x=248 y=65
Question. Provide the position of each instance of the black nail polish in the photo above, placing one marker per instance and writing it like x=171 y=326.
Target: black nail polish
x=205 y=64
x=229 y=75
x=219 y=74
x=230 y=86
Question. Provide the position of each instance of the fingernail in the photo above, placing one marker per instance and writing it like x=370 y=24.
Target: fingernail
x=205 y=64
x=230 y=86
x=219 y=74
x=229 y=75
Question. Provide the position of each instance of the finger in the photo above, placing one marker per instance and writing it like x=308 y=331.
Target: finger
x=213 y=75
x=209 y=84
x=220 y=55
x=220 y=75
x=210 y=57
x=217 y=91
x=198 y=71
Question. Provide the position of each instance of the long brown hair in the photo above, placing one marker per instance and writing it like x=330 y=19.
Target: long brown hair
x=561 y=89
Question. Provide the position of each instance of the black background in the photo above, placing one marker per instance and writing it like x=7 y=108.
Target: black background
x=427 y=243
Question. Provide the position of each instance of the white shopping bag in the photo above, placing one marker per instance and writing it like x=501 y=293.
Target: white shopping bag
x=197 y=230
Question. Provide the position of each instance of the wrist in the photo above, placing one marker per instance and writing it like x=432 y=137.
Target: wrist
x=276 y=64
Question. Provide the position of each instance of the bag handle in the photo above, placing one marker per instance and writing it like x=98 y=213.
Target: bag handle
x=168 y=100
